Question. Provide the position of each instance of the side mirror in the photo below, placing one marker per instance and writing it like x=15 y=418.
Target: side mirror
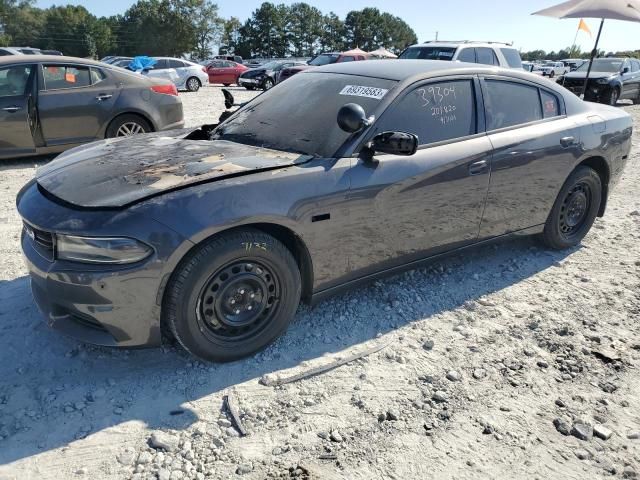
x=352 y=118
x=395 y=143
x=625 y=70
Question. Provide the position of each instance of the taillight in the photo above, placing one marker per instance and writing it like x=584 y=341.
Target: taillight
x=165 y=89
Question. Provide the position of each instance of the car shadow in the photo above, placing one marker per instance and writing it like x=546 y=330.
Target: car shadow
x=55 y=390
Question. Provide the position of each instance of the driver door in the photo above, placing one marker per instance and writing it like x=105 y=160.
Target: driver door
x=411 y=207
x=18 y=115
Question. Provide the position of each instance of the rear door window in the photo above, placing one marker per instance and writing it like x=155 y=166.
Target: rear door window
x=435 y=112
x=486 y=56
x=511 y=103
x=467 y=55
x=635 y=66
x=348 y=59
x=58 y=77
x=160 y=64
x=512 y=56
x=14 y=80
x=178 y=64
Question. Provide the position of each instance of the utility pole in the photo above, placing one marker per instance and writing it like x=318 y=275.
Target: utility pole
x=436 y=36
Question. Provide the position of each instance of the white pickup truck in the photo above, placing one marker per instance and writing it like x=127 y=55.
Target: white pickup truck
x=551 y=69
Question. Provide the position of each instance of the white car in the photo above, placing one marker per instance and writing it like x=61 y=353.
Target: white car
x=487 y=53
x=531 y=68
x=184 y=74
x=552 y=69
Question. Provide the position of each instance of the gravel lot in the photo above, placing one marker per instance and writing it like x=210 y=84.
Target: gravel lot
x=506 y=362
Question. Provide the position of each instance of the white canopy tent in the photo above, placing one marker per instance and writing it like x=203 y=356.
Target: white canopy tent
x=628 y=10
x=382 y=53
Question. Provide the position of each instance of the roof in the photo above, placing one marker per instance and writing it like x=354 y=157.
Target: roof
x=456 y=43
x=402 y=69
x=46 y=58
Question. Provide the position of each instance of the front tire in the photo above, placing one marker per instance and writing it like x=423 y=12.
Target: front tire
x=193 y=84
x=574 y=210
x=612 y=97
x=267 y=84
x=232 y=296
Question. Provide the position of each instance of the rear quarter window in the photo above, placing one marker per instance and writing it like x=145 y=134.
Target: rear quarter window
x=512 y=56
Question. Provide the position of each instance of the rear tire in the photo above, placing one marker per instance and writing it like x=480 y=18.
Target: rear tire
x=226 y=84
x=193 y=84
x=552 y=74
x=574 y=210
x=232 y=296
x=127 y=125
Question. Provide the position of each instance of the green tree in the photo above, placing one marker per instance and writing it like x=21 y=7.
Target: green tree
x=332 y=36
x=304 y=28
x=369 y=29
x=231 y=35
x=208 y=29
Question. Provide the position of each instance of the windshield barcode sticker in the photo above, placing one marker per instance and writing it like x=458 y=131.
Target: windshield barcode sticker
x=359 y=91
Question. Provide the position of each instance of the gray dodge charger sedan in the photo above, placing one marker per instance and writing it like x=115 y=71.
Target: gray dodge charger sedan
x=51 y=103
x=340 y=175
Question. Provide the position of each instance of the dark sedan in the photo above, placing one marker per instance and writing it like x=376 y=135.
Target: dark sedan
x=266 y=76
x=51 y=103
x=611 y=79
x=347 y=173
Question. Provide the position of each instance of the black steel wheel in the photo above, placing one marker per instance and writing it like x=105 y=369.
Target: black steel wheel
x=232 y=296
x=574 y=210
x=239 y=299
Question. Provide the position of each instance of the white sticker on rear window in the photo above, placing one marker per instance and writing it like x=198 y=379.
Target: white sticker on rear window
x=360 y=91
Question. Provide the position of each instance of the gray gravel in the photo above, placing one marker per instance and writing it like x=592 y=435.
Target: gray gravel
x=482 y=345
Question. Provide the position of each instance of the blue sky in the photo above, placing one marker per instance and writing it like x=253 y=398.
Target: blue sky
x=499 y=20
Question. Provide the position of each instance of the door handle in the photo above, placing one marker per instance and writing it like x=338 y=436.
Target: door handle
x=13 y=109
x=567 y=141
x=103 y=96
x=477 y=168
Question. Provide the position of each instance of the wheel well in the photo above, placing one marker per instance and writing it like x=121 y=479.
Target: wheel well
x=601 y=167
x=135 y=114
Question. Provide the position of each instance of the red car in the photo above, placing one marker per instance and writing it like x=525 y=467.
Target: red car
x=323 y=59
x=225 y=72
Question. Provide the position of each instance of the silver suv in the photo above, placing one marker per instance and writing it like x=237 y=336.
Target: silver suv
x=488 y=53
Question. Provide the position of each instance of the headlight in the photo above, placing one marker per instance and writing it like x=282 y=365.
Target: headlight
x=106 y=250
x=602 y=81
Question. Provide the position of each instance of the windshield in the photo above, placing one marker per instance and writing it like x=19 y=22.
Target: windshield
x=610 y=65
x=324 y=59
x=429 y=53
x=301 y=115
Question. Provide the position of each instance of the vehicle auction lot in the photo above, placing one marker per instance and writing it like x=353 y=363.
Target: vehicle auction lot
x=484 y=350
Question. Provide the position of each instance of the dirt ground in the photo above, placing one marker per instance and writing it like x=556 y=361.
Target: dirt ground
x=509 y=361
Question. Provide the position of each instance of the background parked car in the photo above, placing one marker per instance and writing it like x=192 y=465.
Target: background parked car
x=611 y=79
x=231 y=58
x=267 y=75
x=28 y=50
x=320 y=60
x=51 y=103
x=487 y=53
x=531 y=68
x=4 y=51
x=552 y=69
x=573 y=63
x=191 y=76
x=225 y=72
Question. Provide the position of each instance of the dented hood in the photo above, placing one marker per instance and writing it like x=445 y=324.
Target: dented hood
x=118 y=172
